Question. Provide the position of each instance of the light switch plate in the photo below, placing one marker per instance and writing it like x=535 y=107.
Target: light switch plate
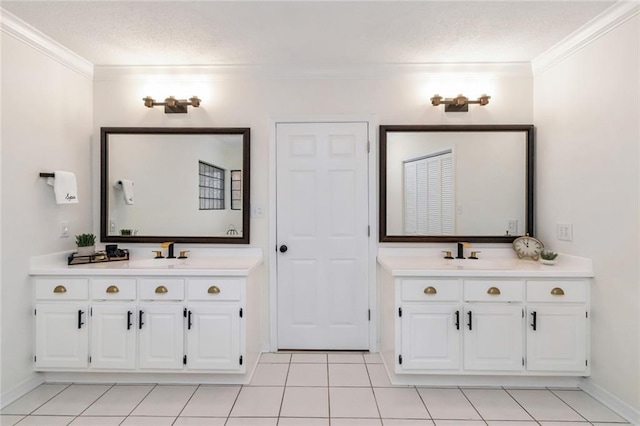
x=564 y=231
x=64 y=229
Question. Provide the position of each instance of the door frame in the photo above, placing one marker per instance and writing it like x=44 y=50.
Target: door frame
x=372 y=174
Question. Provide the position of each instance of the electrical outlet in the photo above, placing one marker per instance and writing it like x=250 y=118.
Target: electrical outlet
x=564 y=231
x=257 y=212
x=512 y=226
x=64 y=229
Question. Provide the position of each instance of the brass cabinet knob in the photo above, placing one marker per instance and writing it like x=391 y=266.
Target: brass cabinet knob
x=158 y=254
x=493 y=291
x=557 y=291
x=161 y=289
x=113 y=289
x=430 y=290
x=60 y=289
x=213 y=290
x=183 y=254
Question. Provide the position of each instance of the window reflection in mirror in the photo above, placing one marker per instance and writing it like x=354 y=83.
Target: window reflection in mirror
x=453 y=183
x=180 y=184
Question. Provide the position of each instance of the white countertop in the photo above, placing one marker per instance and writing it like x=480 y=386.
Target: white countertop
x=226 y=262
x=405 y=265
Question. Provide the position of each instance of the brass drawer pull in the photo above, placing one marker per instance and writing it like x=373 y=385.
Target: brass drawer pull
x=557 y=291
x=112 y=289
x=430 y=290
x=161 y=289
x=493 y=291
x=60 y=289
x=213 y=290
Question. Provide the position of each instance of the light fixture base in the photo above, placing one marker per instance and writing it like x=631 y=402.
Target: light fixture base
x=176 y=109
x=456 y=108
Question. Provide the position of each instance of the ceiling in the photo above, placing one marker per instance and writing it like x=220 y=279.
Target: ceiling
x=305 y=33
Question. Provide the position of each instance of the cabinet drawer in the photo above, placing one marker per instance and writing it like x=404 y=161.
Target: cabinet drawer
x=62 y=289
x=113 y=289
x=214 y=289
x=556 y=291
x=430 y=290
x=161 y=288
x=493 y=291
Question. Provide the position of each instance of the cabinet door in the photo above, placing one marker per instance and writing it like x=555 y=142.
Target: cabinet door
x=430 y=337
x=493 y=338
x=160 y=336
x=213 y=337
x=556 y=338
x=62 y=339
x=113 y=336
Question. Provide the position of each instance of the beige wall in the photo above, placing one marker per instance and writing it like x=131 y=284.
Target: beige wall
x=586 y=113
x=46 y=126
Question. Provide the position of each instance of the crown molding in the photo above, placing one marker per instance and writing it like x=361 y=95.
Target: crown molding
x=17 y=28
x=608 y=20
x=372 y=71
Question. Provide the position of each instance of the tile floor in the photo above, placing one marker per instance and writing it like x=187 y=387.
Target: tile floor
x=306 y=389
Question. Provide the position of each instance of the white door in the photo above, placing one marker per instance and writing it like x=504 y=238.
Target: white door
x=431 y=337
x=113 y=336
x=556 y=338
x=161 y=336
x=213 y=337
x=62 y=339
x=322 y=220
x=493 y=338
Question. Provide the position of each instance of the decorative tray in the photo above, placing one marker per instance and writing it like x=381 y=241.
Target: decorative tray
x=98 y=257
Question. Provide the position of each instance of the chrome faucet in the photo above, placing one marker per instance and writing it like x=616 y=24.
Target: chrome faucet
x=461 y=246
x=170 y=254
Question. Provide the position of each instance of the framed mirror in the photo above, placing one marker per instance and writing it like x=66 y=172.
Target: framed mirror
x=186 y=185
x=449 y=183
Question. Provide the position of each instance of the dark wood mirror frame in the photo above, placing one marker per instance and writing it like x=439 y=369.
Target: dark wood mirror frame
x=104 y=183
x=528 y=130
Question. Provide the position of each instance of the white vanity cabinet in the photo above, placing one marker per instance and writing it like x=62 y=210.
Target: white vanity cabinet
x=113 y=328
x=558 y=317
x=526 y=321
x=61 y=313
x=429 y=325
x=493 y=331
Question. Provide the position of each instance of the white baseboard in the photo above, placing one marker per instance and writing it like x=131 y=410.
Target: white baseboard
x=21 y=389
x=631 y=414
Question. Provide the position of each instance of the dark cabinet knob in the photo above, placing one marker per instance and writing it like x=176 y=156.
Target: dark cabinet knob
x=283 y=248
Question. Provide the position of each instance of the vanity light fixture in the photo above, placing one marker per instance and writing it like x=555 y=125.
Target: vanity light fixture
x=458 y=104
x=173 y=105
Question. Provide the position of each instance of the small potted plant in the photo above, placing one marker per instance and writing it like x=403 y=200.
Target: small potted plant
x=548 y=257
x=86 y=244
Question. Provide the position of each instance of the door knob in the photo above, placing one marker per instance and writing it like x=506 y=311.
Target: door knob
x=283 y=248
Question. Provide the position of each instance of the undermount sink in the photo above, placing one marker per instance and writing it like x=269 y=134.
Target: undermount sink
x=161 y=263
x=480 y=264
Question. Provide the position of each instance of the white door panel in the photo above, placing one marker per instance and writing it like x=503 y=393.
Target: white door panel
x=322 y=218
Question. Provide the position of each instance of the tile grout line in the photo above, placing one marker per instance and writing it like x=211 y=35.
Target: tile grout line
x=235 y=401
x=518 y=402
x=140 y=402
x=41 y=405
x=567 y=404
x=471 y=403
x=425 y=404
x=186 y=403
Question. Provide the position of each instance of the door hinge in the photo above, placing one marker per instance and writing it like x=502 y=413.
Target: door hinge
x=523 y=313
x=586 y=363
x=184 y=360
x=400 y=359
x=35 y=358
x=241 y=312
x=184 y=313
x=241 y=359
x=368 y=230
x=368 y=146
x=35 y=312
x=89 y=360
x=523 y=361
x=369 y=314
x=91 y=311
x=586 y=314
x=400 y=311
